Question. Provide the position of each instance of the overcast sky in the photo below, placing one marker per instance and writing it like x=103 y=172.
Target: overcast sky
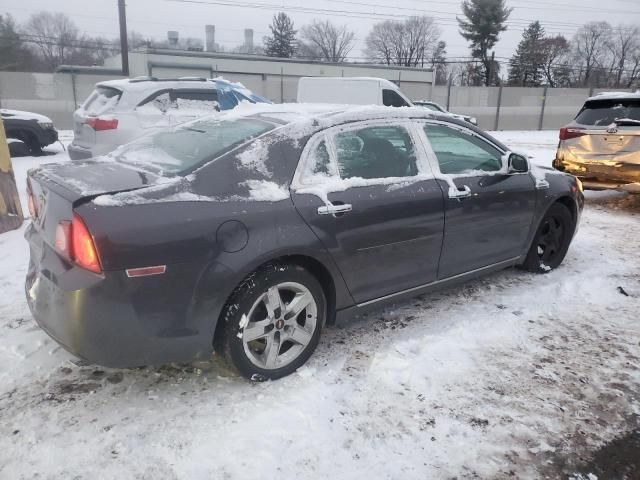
x=154 y=17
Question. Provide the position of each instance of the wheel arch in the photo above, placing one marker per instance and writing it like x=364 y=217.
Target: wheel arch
x=314 y=266
x=568 y=202
x=24 y=134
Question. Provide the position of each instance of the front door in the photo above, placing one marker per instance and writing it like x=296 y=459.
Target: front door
x=369 y=195
x=488 y=212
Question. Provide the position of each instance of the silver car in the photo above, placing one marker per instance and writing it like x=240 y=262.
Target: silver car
x=601 y=146
x=119 y=111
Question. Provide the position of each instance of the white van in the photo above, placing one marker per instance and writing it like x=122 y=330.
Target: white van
x=351 y=91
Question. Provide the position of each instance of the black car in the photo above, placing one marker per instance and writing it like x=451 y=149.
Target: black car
x=248 y=232
x=27 y=133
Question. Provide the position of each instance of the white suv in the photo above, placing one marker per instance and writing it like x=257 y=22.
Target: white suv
x=119 y=111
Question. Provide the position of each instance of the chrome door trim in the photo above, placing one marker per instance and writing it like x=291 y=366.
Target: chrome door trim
x=508 y=262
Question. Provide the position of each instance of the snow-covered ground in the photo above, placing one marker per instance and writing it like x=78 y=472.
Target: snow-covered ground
x=514 y=375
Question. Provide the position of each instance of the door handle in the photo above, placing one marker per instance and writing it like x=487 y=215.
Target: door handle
x=334 y=209
x=463 y=192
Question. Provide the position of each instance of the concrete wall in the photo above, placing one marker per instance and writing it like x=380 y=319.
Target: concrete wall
x=514 y=108
x=520 y=108
x=273 y=78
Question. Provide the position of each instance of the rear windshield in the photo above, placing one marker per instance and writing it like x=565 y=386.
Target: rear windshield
x=102 y=100
x=605 y=112
x=188 y=146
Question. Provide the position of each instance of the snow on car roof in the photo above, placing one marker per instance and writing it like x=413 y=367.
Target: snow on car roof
x=21 y=115
x=615 y=96
x=323 y=114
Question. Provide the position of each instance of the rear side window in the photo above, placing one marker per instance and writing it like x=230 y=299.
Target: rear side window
x=102 y=100
x=196 y=99
x=375 y=152
x=185 y=148
x=605 y=112
x=459 y=152
x=391 y=98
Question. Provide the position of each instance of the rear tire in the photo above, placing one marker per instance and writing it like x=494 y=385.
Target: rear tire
x=272 y=322
x=551 y=241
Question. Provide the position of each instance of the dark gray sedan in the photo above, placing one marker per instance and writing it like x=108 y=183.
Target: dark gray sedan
x=248 y=232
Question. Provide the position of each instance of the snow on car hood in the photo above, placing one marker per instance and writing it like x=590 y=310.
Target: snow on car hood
x=20 y=115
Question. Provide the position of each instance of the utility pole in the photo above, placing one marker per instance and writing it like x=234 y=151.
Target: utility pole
x=124 y=44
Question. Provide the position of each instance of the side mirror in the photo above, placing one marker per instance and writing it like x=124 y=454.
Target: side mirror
x=518 y=163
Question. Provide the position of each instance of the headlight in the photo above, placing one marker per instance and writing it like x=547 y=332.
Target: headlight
x=580 y=186
x=473 y=120
x=46 y=125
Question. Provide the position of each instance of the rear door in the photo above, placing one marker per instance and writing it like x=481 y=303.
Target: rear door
x=368 y=193
x=153 y=111
x=488 y=212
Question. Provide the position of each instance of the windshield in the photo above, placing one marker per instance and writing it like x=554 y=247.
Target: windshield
x=605 y=112
x=188 y=146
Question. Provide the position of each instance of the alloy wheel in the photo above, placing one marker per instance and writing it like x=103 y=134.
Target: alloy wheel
x=279 y=325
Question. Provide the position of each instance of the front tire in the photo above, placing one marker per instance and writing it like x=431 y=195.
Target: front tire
x=551 y=241
x=272 y=322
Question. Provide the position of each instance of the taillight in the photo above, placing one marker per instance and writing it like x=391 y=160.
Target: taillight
x=83 y=250
x=99 y=124
x=75 y=242
x=31 y=203
x=567 y=133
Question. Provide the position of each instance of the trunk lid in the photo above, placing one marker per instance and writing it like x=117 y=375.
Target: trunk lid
x=613 y=144
x=102 y=102
x=57 y=189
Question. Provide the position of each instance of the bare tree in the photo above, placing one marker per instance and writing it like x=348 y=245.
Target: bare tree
x=625 y=40
x=409 y=43
x=590 y=46
x=555 y=52
x=325 y=41
x=55 y=36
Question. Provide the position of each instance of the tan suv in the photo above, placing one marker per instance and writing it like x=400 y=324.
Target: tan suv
x=602 y=145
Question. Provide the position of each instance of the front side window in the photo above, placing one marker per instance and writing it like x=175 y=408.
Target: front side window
x=375 y=152
x=391 y=98
x=459 y=152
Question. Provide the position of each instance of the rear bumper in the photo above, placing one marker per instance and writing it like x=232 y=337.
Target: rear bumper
x=78 y=153
x=603 y=176
x=110 y=319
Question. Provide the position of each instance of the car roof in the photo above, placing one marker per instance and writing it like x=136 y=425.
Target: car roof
x=383 y=81
x=615 y=96
x=153 y=83
x=308 y=118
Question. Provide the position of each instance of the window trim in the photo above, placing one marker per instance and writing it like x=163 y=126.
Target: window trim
x=433 y=158
x=423 y=163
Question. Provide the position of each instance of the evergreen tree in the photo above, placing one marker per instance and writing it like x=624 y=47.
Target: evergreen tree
x=439 y=63
x=526 y=67
x=484 y=21
x=282 y=42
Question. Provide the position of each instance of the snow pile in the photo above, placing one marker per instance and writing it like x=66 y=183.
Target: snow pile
x=513 y=375
x=265 y=191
